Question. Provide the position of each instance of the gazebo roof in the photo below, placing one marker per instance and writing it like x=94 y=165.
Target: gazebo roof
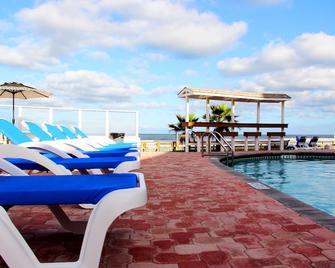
x=232 y=95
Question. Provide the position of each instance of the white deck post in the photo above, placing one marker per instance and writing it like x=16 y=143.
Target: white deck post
x=282 y=110
x=233 y=121
x=107 y=123
x=51 y=115
x=207 y=111
x=207 y=120
x=258 y=119
x=187 y=115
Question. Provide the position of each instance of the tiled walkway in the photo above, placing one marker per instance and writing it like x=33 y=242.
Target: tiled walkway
x=198 y=215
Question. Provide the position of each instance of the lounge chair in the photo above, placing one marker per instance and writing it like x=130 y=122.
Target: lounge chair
x=99 y=145
x=106 y=141
x=82 y=162
x=113 y=194
x=85 y=144
x=91 y=151
x=300 y=143
x=313 y=143
x=58 y=134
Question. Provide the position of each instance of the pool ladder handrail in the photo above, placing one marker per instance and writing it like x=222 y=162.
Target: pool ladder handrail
x=228 y=149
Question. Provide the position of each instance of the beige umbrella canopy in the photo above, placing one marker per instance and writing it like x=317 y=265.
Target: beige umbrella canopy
x=20 y=91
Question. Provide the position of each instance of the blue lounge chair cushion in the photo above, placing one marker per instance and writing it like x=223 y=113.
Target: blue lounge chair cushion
x=44 y=136
x=73 y=163
x=80 y=133
x=12 y=132
x=55 y=132
x=52 y=190
x=38 y=132
x=60 y=135
x=114 y=153
x=68 y=132
x=116 y=146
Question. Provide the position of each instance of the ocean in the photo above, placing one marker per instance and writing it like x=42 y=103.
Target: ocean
x=171 y=137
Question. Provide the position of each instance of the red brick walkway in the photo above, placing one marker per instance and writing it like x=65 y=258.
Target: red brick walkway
x=197 y=216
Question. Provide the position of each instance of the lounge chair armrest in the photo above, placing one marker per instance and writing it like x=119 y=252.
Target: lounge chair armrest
x=46 y=148
x=13 y=151
x=11 y=169
x=66 y=149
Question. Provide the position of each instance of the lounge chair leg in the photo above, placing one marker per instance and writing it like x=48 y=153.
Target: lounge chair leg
x=77 y=227
x=15 y=252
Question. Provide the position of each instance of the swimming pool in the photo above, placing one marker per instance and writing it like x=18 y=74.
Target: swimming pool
x=309 y=180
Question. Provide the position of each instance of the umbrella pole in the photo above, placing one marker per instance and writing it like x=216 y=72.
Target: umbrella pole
x=13 y=118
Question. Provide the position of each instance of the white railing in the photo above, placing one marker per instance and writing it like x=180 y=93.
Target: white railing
x=93 y=121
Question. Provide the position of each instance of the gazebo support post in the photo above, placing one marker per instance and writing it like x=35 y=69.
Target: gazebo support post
x=258 y=120
x=233 y=120
x=187 y=117
x=207 y=120
x=282 y=111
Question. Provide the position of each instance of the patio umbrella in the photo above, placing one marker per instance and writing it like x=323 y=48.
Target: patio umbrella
x=20 y=91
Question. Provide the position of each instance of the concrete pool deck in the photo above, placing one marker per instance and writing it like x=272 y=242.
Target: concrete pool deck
x=198 y=215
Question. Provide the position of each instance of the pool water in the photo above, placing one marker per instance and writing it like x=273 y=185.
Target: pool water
x=311 y=181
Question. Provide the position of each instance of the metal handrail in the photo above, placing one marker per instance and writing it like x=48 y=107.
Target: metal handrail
x=221 y=140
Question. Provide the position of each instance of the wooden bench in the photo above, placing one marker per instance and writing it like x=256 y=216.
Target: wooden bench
x=246 y=135
x=276 y=134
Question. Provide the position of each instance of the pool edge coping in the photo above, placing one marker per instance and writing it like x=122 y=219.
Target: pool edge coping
x=318 y=216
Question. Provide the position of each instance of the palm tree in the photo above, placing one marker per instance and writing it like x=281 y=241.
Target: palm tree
x=178 y=127
x=221 y=113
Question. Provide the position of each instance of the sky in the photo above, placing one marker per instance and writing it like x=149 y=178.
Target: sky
x=138 y=54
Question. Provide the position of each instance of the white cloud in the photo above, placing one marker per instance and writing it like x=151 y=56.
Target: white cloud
x=310 y=87
x=308 y=49
x=89 y=87
x=303 y=68
x=166 y=25
x=27 y=54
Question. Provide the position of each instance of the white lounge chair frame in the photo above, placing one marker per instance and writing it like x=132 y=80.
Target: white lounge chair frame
x=86 y=144
x=73 y=145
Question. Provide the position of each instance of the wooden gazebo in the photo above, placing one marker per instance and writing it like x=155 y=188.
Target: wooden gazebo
x=234 y=96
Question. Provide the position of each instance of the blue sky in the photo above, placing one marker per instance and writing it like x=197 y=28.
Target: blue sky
x=132 y=54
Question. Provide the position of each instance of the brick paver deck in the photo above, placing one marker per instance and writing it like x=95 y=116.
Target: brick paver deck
x=198 y=215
